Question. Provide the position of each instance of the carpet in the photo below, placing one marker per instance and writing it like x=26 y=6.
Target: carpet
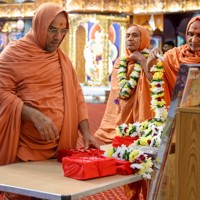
x=114 y=194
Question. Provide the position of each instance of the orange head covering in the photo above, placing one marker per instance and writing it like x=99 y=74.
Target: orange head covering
x=43 y=17
x=145 y=38
x=178 y=55
x=186 y=55
x=190 y=22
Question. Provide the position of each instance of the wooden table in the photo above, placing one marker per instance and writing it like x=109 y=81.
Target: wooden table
x=45 y=179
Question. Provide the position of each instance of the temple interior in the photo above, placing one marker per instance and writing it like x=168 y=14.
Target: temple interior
x=96 y=38
x=97 y=30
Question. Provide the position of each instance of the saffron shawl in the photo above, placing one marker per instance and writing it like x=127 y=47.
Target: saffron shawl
x=176 y=56
x=136 y=108
x=22 y=63
x=172 y=60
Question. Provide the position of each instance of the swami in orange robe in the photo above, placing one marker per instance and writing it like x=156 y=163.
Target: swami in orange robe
x=45 y=81
x=185 y=54
x=131 y=110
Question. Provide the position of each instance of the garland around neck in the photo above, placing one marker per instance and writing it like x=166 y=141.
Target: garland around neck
x=127 y=85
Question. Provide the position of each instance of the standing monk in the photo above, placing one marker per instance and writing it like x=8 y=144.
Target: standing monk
x=185 y=54
x=42 y=106
x=133 y=104
x=188 y=53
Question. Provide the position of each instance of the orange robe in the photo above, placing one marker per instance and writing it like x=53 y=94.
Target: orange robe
x=179 y=55
x=172 y=60
x=45 y=81
x=135 y=109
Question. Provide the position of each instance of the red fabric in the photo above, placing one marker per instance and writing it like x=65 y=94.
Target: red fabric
x=123 y=167
x=79 y=153
x=118 y=141
x=88 y=167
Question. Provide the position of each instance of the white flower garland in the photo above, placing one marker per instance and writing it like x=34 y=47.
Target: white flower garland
x=148 y=132
x=139 y=162
x=127 y=85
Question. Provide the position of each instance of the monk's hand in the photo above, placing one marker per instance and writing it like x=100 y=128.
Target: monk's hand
x=137 y=56
x=89 y=141
x=154 y=54
x=43 y=124
x=46 y=127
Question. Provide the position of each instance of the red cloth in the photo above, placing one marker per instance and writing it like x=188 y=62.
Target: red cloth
x=118 y=141
x=88 y=167
x=79 y=153
x=123 y=167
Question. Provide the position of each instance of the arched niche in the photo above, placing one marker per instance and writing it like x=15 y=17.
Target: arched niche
x=95 y=41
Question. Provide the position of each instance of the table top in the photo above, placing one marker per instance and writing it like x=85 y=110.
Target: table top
x=45 y=179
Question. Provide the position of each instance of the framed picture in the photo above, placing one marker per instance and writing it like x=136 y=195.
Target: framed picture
x=191 y=92
x=179 y=87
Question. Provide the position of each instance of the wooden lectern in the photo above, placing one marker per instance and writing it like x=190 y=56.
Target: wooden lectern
x=187 y=165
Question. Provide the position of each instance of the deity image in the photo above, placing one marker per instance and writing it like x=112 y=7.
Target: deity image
x=93 y=53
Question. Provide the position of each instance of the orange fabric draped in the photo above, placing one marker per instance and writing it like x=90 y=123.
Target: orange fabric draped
x=172 y=60
x=136 y=108
x=180 y=55
x=43 y=80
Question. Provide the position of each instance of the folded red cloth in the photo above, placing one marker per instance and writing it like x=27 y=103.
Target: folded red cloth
x=126 y=140
x=79 y=153
x=88 y=167
x=123 y=167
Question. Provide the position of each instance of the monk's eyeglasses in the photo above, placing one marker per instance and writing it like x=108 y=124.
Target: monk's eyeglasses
x=55 y=30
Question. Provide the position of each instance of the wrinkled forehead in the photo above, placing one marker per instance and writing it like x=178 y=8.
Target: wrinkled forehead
x=194 y=19
x=133 y=29
x=195 y=26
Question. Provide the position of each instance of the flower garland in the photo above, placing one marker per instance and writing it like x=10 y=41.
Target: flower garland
x=140 y=163
x=126 y=86
x=148 y=132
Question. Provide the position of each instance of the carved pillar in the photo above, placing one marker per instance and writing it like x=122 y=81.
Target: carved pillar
x=72 y=41
x=104 y=76
x=123 y=39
